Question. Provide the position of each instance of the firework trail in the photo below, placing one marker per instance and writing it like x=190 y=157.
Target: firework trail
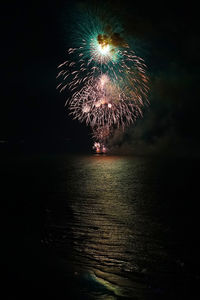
x=108 y=82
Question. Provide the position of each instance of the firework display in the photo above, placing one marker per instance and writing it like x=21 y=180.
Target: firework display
x=107 y=81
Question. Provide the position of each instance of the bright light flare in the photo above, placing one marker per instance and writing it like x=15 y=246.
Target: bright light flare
x=104 y=49
x=100 y=148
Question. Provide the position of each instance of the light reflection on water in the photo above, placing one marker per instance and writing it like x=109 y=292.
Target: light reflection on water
x=106 y=221
x=107 y=226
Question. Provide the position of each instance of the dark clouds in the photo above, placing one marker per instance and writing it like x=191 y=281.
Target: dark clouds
x=171 y=123
x=171 y=39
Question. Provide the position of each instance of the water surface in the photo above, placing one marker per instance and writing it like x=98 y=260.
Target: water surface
x=113 y=222
x=101 y=227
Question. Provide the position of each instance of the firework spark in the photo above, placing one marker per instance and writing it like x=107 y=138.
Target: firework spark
x=103 y=103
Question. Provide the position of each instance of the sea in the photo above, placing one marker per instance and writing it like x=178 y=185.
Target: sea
x=89 y=226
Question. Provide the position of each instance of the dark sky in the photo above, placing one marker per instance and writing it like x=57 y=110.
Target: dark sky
x=33 y=43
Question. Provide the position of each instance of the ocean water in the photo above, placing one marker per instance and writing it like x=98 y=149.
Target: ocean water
x=101 y=227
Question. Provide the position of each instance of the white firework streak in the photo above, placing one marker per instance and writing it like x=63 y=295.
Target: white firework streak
x=102 y=103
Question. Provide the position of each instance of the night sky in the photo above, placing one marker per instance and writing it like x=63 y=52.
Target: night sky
x=34 y=41
x=33 y=120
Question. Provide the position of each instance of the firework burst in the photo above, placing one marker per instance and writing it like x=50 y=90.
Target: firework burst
x=108 y=82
